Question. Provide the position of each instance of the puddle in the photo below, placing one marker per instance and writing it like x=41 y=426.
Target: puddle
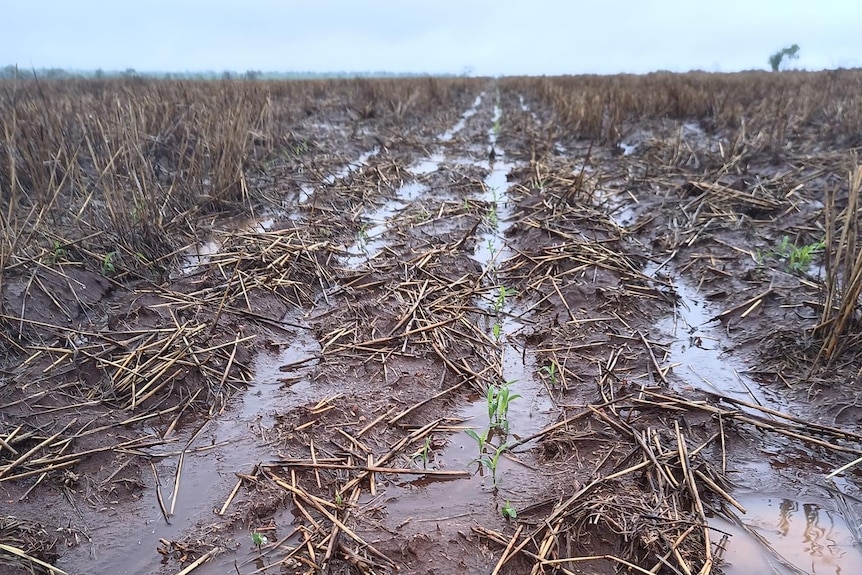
x=628 y=149
x=697 y=354
x=411 y=191
x=307 y=190
x=805 y=536
x=459 y=125
x=692 y=129
x=371 y=241
x=351 y=167
x=234 y=441
x=279 y=381
x=201 y=254
x=196 y=256
x=427 y=166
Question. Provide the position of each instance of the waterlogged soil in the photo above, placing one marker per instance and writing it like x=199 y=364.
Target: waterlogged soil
x=633 y=300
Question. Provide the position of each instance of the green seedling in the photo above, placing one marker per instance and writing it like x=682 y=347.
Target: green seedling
x=59 y=252
x=466 y=205
x=108 y=264
x=508 y=511
x=550 y=371
x=500 y=301
x=339 y=500
x=362 y=234
x=425 y=453
x=423 y=215
x=498 y=398
x=798 y=258
x=497 y=331
x=490 y=461
x=481 y=440
x=258 y=539
x=300 y=149
x=491 y=249
x=491 y=216
x=136 y=213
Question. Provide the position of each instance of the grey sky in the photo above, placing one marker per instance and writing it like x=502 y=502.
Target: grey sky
x=492 y=37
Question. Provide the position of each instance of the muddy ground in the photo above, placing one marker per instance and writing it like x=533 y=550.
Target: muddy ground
x=645 y=305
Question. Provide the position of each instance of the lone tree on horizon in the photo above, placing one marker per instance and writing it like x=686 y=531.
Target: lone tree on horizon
x=791 y=53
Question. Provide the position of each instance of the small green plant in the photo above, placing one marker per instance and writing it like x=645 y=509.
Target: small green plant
x=497 y=331
x=498 y=398
x=798 y=258
x=508 y=511
x=108 y=267
x=481 y=440
x=362 y=234
x=550 y=371
x=424 y=453
x=137 y=212
x=423 y=215
x=491 y=249
x=490 y=460
x=258 y=539
x=339 y=500
x=59 y=252
x=500 y=301
x=491 y=216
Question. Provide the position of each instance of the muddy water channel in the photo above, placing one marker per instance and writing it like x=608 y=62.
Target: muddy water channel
x=788 y=526
x=784 y=523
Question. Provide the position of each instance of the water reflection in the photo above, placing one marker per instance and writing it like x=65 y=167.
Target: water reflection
x=783 y=536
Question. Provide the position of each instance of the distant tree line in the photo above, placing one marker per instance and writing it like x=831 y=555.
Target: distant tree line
x=12 y=71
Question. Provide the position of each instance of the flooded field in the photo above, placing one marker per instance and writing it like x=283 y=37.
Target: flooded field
x=434 y=326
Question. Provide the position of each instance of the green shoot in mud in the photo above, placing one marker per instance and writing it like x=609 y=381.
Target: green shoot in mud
x=489 y=456
x=423 y=215
x=299 y=149
x=481 y=440
x=362 y=235
x=508 y=511
x=258 y=540
x=108 y=267
x=424 y=453
x=797 y=258
x=490 y=460
x=498 y=398
x=550 y=371
x=339 y=500
x=59 y=252
x=500 y=301
x=497 y=331
x=492 y=250
x=491 y=216
x=136 y=212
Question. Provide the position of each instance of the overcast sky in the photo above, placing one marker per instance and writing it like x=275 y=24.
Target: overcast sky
x=490 y=37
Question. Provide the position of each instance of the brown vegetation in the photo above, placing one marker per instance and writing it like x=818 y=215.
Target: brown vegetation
x=139 y=289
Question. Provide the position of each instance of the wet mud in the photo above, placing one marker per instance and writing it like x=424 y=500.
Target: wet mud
x=638 y=326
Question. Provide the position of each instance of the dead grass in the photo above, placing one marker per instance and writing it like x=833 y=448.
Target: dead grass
x=603 y=107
